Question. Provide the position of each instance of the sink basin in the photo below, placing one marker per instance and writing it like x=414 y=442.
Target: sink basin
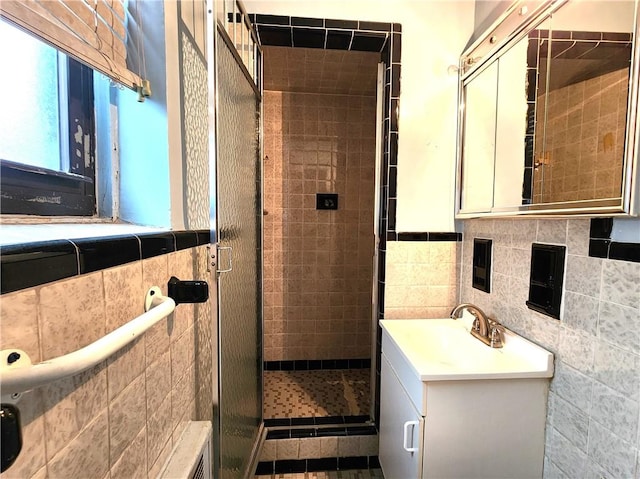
x=444 y=350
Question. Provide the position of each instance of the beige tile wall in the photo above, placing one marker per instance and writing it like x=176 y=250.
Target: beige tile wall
x=584 y=140
x=318 y=264
x=421 y=279
x=121 y=418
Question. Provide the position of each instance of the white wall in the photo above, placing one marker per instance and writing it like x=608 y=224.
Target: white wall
x=434 y=32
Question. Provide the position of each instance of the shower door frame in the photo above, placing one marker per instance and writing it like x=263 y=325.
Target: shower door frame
x=215 y=26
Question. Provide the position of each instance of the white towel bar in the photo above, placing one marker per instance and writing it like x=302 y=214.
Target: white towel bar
x=17 y=374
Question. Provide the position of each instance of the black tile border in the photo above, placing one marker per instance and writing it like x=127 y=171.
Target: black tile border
x=601 y=246
x=316 y=364
x=28 y=265
x=345 y=426
x=289 y=466
x=426 y=236
x=95 y=254
x=25 y=265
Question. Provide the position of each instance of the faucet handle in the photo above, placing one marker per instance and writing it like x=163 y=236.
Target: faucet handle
x=476 y=324
x=496 y=334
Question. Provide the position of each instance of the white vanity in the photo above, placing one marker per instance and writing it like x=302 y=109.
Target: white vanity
x=452 y=407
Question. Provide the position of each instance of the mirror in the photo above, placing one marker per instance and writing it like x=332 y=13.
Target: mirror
x=548 y=111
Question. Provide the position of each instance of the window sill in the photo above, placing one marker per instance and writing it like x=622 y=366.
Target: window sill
x=13 y=234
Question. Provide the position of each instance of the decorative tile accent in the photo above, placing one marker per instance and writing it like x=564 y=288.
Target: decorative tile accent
x=97 y=254
x=359 y=467
x=33 y=264
x=310 y=365
x=23 y=266
x=156 y=244
x=601 y=246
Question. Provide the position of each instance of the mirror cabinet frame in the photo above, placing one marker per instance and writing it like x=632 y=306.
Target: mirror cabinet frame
x=513 y=25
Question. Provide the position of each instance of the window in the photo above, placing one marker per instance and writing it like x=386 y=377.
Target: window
x=47 y=148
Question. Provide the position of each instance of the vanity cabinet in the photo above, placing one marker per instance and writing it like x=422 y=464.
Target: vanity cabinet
x=457 y=428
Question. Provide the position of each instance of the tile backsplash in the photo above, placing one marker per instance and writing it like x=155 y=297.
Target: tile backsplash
x=592 y=423
x=121 y=418
x=421 y=279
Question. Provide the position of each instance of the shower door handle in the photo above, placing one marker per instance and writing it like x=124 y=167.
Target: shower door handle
x=230 y=249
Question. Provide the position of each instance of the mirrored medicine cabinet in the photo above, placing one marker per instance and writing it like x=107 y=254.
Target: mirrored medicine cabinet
x=548 y=111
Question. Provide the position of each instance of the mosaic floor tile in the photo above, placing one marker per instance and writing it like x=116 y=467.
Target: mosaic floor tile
x=316 y=393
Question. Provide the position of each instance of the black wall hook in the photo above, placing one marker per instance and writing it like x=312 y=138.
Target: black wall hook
x=187 y=291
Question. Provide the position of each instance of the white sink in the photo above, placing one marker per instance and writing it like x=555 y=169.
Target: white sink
x=444 y=350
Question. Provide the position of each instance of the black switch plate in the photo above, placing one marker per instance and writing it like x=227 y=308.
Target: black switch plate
x=482 y=264
x=546 y=279
x=326 y=201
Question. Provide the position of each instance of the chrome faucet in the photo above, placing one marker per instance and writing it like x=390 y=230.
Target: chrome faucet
x=487 y=330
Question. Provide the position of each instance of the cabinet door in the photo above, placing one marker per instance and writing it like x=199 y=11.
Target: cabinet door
x=401 y=429
x=479 y=144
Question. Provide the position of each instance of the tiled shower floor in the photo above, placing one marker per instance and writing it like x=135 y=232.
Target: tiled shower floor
x=317 y=393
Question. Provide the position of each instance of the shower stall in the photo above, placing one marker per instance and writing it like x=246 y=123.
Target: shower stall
x=319 y=205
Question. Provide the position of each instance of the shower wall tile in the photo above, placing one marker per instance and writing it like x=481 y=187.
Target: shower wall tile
x=318 y=263
x=116 y=419
x=592 y=429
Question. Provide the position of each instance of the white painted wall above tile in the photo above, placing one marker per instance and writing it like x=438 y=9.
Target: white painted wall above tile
x=428 y=101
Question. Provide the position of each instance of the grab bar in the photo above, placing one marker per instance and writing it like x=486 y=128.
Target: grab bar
x=18 y=375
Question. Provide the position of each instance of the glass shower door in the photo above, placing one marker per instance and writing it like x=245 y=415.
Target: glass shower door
x=239 y=214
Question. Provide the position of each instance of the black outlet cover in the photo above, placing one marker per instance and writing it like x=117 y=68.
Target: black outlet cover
x=326 y=201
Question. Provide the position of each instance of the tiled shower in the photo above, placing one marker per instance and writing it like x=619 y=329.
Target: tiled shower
x=318 y=263
x=319 y=137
